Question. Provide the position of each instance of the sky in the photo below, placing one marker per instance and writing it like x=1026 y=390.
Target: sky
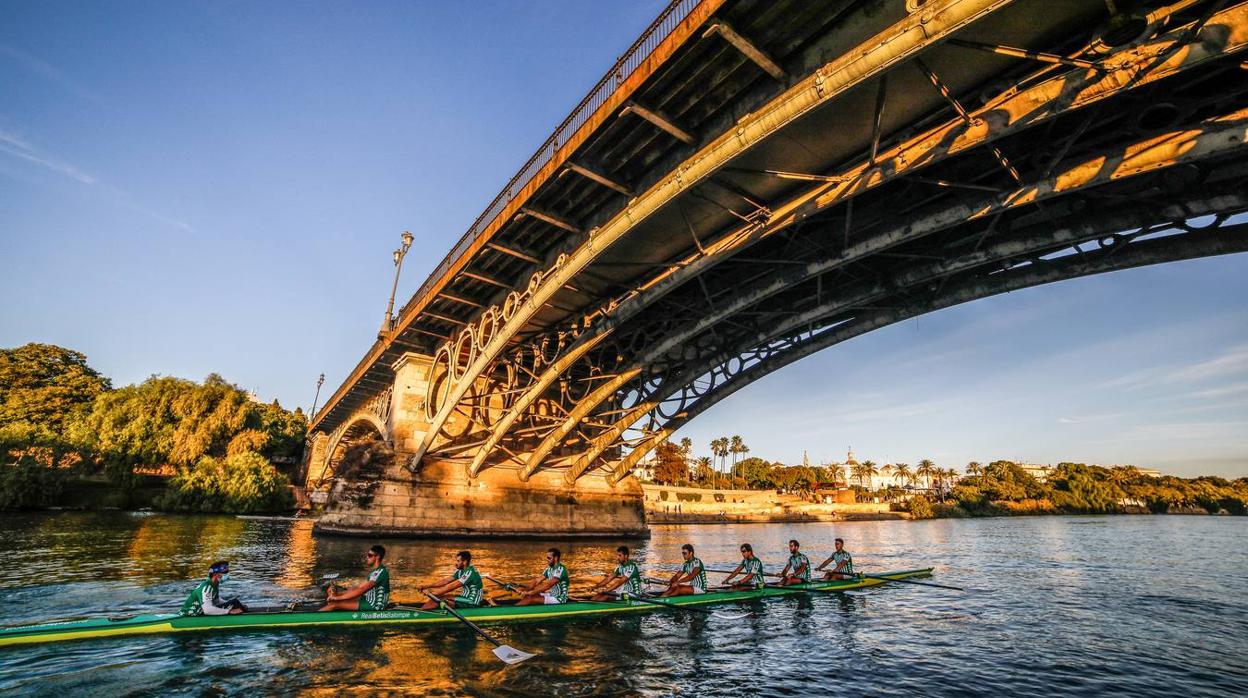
x=189 y=188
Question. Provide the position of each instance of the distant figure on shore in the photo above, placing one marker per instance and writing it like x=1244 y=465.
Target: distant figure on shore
x=373 y=594
x=205 y=600
x=797 y=571
x=691 y=579
x=465 y=579
x=625 y=580
x=842 y=563
x=750 y=569
x=551 y=587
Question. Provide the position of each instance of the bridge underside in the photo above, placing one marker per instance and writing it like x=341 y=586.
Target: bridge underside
x=797 y=175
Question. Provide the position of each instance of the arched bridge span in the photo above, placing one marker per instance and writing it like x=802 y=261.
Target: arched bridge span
x=775 y=178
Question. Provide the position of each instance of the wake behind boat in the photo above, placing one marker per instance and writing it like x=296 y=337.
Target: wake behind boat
x=403 y=616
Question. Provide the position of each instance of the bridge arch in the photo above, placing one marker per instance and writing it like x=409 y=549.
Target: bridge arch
x=363 y=427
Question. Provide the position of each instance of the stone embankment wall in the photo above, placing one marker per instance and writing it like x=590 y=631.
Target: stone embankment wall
x=667 y=505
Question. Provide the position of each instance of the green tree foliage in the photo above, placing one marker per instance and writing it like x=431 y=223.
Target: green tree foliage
x=178 y=422
x=921 y=507
x=755 y=471
x=41 y=387
x=1078 y=488
x=238 y=483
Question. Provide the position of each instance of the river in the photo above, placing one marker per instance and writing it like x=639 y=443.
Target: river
x=1093 y=606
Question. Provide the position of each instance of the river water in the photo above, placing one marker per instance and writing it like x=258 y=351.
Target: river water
x=1093 y=606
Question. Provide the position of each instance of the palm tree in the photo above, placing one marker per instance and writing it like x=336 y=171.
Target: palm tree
x=736 y=447
x=974 y=469
x=704 y=467
x=925 y=470
x=866 y=471
x=836 y=471
x=901 y=471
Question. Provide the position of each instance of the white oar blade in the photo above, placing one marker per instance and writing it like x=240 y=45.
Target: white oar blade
x=511 y=655
x=735 y=616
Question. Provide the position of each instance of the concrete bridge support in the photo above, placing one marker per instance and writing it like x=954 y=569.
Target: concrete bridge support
x=384 y=496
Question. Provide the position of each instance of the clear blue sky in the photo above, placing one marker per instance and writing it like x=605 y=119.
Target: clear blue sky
x=188 y=188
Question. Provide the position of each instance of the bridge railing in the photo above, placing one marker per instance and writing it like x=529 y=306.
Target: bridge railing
x=659 y=29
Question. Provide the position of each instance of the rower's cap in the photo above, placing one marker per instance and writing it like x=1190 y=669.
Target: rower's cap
x=219 y=567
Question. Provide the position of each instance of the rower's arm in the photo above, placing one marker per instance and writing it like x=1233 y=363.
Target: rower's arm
x=544 y=583
x=209 y=607
x=355 y=592
x=735 y=572
x=797 y=571
x=824 y=563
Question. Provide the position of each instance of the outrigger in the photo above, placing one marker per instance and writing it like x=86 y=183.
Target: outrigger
x=401 y=615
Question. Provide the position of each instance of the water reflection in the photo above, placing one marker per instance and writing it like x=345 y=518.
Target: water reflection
x=1071 y=609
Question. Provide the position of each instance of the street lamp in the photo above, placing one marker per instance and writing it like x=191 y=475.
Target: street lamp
x=388 y=322
x=319 y=382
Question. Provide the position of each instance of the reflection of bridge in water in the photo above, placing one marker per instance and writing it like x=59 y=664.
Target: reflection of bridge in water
x=753 y=182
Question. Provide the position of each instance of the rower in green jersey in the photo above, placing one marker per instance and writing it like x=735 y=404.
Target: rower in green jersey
x=842 y=563
x=551 y=587
x=750 y=569
x=691 y=579
x=624 y=581
x=465 y=581
x=797 y=571
x=373 y=594
x=205 y=600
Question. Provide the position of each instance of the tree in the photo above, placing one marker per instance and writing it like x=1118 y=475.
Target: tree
x=671 y=465
x=864 y=471
x=926 y=470
x=836 y=472
x=974 y=468
x=902 y=472
x=737 y=447
x=239 y=483
x=178 y=422
x=755 y=471
x=41 y=387
x=702 y=469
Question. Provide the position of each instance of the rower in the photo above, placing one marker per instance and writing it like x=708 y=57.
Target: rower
x=206 y=599
x=465 y=579
x=797 y=571
x=751 y=569
x=624 y=581
x=844 y=562
x=551 y=587
x=373 y=594
x=691 y=579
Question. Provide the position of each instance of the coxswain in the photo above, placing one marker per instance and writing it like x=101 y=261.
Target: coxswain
x=797 y=571
x=842 y=563
x=624 y=581
x=373 y=594
x=465 y=581
x=750 y=569
x=206 y=599
x=549 y=588
x=691 y=579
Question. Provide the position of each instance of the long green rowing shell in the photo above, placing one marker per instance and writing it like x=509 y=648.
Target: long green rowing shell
x=488 y=615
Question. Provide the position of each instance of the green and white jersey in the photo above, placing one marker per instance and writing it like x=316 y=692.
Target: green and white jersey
x=843 y=556
x=754 y=566
x=203 y=601
x=631 y=575
x=800 y=560
x=699 y=579
x=471 y=592
x=377 y=598
x=559 y=590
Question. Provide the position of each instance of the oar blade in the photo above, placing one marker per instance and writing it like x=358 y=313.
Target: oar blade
x=511 y=655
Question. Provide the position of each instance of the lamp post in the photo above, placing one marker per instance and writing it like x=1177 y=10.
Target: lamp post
x=319 y=382
x=388 y=322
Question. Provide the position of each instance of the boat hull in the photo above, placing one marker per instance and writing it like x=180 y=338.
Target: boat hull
x=489 y=615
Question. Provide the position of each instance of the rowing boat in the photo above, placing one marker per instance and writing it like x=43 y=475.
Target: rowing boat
x=487 y=615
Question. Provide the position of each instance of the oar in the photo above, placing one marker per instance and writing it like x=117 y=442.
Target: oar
x=681 y=607
x=508 y=654
x=869 y=576
x=295 y=605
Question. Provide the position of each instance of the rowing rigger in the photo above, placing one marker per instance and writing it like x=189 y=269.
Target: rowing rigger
x=481 y=616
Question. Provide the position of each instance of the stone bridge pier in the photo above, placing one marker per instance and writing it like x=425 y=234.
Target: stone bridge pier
x=365 y=477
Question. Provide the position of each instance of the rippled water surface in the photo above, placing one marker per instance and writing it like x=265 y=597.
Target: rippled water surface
x=1139 y=606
